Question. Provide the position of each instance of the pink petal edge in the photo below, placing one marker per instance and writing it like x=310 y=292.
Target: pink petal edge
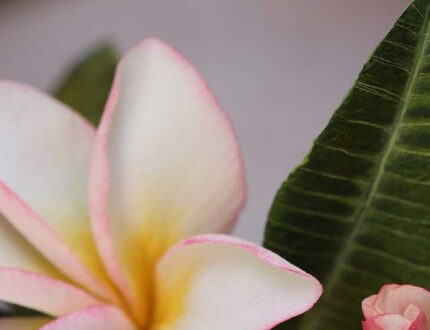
x=42 y=293
x=368 y=307
x=98 y=317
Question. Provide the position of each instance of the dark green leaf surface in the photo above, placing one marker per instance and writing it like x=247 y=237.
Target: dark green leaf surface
x=86 y=87
x=356 y=213
x=10 y=310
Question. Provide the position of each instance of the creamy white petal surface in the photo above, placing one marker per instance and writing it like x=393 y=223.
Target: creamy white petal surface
x=219 y=282
x=166 y=165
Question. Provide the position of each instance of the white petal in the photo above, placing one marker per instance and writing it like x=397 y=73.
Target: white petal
x=166 y=165
x=217 y=282
x=45 y=150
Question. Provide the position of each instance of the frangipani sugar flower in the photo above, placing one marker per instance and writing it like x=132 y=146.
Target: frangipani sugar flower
x=397 y=307
x=164 y=165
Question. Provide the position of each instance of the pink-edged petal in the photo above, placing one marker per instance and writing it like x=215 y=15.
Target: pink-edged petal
x=166 y=165
x=368 y=307
x=45 y=151
x=388 y=322
x=100 y=317
x=38 y=292
x=219 y=282
x=22 y=323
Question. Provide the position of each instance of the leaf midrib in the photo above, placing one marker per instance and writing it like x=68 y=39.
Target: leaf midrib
x=360 y=213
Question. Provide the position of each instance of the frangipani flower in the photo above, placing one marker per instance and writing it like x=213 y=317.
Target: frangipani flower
x=397 y=307
x=164 y=165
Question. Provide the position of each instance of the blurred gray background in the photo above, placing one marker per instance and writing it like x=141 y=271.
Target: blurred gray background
x=279 y=67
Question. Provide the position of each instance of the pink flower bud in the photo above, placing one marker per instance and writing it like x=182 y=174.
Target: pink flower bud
x=397 y=307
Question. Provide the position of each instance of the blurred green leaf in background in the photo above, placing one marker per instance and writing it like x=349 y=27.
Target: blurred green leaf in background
x=86 y=86
x=356 y=212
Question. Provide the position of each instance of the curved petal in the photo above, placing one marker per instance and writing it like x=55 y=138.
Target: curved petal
x=368 y=307
x=22 y=323
x=101 y=317
x=395 y=299
x=388 y=322
x=384 y=294
x=417 y=317
x=219 y=282
x=45 y=151
x=41 y=293
x=166 y=164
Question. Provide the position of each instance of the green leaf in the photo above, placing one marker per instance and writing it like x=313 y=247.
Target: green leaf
x=86 y=87
x=9 y=310
x=356 y=212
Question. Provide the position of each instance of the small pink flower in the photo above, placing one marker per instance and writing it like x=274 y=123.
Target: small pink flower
x=397 y=307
